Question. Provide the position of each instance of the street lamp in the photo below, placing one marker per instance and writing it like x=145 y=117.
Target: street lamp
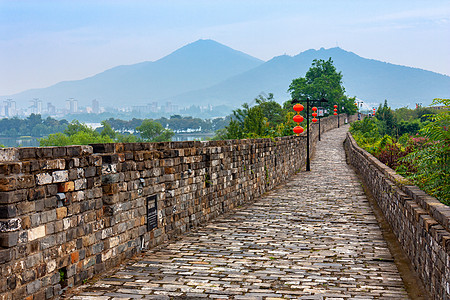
x=308 y=164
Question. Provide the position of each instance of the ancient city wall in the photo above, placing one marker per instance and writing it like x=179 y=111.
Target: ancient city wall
x=420 y=222
x=68 y=213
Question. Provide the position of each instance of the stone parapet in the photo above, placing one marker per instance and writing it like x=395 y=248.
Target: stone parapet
x=420 y=222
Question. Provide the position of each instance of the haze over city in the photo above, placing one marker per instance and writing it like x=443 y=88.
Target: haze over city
x=45 y=42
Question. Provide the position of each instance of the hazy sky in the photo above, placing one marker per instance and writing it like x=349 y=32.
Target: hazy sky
x=44 y=42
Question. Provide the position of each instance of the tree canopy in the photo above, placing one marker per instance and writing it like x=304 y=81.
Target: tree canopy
x=154 y=132
x=323 y=81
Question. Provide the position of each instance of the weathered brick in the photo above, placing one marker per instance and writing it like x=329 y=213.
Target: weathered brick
x=10 y=225
x=64 y=187
x=60 y=176
x=61 y=212
x=44 y=152
x=80 y=184
x=59 y=152
x=5 y=255
x=8 y=197
x=8 y=211
x=36 y=233
x=54 y=164
x=9 y=239
x=36 y=193
x=44 y=178
x=8 y=184
x=9 y=154
x=110 y=189
x=27 y=153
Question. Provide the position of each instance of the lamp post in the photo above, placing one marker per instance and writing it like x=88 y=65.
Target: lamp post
x=308 y=164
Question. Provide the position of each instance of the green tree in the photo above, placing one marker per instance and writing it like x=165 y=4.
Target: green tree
x=322 y=81
x=107 y=130
x=154 y=132
x=76 y=133
x=386 y=116
x=260 y=120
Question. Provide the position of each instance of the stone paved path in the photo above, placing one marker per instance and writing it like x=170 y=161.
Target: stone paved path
x=313 y=238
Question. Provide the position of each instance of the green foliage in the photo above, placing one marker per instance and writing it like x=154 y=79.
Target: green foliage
x=265 y=119
x=420 y=153
x=176 y=123
x=33 y=125
x=76 y=133
x=433 y=160
x=323 y=81
x=366 y=133
x=154 y=132
x=107 y=130
x=386 y=116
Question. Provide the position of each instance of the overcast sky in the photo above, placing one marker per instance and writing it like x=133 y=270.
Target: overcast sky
x=45 y=42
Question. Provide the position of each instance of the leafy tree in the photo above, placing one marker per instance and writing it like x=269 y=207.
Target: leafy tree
x=107 y=130
x=154 y=132
x=386 y=116
x=75 y=126
x=260 y=120
x=322 y=81
x=76 y=133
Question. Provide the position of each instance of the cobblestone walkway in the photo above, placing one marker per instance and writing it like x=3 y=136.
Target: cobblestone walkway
x=313 y=238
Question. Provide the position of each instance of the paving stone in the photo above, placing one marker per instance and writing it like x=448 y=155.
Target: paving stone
x=315 y=237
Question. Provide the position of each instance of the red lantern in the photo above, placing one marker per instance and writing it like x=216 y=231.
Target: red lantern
x=314 y=120
x=335 y=114
x=298 y=129
x=314 y=108
x=335 y=106
x=314 y=114
x=335 y=110
x=298 y=119
x=298 y=107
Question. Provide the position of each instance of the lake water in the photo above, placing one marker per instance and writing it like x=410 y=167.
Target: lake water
x=34 y=142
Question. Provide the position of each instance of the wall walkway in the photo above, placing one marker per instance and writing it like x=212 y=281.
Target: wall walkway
x=313 y=238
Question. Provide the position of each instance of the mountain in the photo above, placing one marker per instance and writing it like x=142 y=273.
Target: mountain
x=208 y=72
x=369 y=80
x=194 y=66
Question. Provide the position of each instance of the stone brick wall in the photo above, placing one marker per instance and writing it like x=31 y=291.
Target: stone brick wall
x=420 y=222
x=68 y=213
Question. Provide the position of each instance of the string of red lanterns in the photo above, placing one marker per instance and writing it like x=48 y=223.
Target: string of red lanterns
x=335 y=110
x=314 y=114
x=298 y=118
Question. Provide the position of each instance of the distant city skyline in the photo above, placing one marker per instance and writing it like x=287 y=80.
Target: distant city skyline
x=45 y=42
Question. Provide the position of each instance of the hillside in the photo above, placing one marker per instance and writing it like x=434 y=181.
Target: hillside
x=370 y=80
x=207 y=72
x=194 y=66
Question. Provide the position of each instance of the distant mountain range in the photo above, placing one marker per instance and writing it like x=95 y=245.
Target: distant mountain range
x=207 y=72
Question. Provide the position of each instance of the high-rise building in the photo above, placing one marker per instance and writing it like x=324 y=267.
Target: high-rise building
x=9 y=108
x=51 y=109
x=95 y=106
x=72 y=105
x=36 y=107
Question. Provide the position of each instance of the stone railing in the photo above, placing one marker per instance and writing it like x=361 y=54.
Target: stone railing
x=68 y=213
x=420 y=222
